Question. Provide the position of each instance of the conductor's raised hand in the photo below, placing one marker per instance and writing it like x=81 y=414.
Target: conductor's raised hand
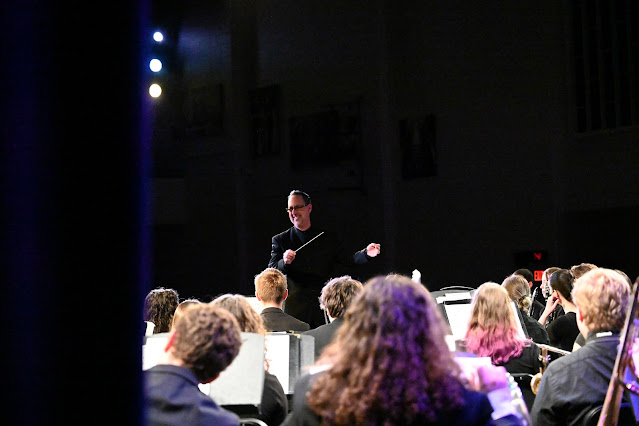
x=373 y=249
x=289 y=256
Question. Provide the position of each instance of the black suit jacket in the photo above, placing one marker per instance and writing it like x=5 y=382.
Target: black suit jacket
x=310 y=270
x=276 y=320
x=324 y=335
x=313 y=265
x=172 y=397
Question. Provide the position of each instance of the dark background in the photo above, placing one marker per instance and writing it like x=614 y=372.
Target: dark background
x=464 y=137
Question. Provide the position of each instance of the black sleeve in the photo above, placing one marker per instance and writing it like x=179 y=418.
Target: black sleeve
x=301 y=414
x=277 y=256
x=274 y=405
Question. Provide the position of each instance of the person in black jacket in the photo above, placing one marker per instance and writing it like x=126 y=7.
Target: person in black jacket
x=274 y=405
x=204 y=341
x=335 y=299
x=308 y=270
x=519 y=292
x=270 y=289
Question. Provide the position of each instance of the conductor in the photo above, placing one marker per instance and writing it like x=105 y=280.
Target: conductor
x=306 y=256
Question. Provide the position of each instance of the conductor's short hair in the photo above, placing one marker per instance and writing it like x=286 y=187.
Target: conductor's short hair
x=304 y=195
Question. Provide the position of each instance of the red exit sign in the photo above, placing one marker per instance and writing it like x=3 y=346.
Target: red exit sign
x=538 y=275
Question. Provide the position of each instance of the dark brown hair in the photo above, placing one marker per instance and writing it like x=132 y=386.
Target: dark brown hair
x=207 y=339
x=159 y=307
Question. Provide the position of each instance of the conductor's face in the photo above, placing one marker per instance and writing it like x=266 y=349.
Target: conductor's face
x=299 y=213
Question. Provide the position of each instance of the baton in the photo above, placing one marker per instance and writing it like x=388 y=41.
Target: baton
x=308 y=242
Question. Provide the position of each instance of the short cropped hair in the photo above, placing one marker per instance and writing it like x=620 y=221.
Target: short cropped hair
x=579 y=270
x=270 y=285
x=207 y=339
x=159 y=307
x=338 y=294
x=518 y=290
x=603 y=297
x=523 y=272
x=304 y=195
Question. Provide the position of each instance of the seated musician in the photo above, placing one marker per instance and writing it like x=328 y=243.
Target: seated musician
x=274 y=405
x=492 y=332
x=390 y=364
x=335 y=299
x=271 y=290
x=563 y=330
x=574 y=384
x=204 y=341
x=519 y=292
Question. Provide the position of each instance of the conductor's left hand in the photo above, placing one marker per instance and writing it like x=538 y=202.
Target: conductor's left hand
x=373 y=249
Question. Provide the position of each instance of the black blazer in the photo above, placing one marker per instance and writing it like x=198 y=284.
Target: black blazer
x=324 y=335
x=314 y=264
x=276 y=320
x=172 y=397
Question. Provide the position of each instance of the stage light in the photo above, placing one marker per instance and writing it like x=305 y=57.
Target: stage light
x=155 y=90
x=155 y=65
x=157 y=36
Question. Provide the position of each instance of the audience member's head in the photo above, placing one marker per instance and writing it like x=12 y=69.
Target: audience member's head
x=270 y=286
x=602 y=297
x=179 y=311
x=526 y=273
x=579 y=270
x=205 y=339
x=492 y=328
x=518 y=290
x=159 y=307
x=562 y=281
x=338 y=294
x=389 y=363
x=249 y=320
x=545 y=281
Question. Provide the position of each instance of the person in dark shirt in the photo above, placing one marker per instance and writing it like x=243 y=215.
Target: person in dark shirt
x=563 y=330
x=576 y=383
x=519 y=292
x=536 y=307
x=335 y=299
x=308 y=270
x=274 y=405
x=492 y=332
x=271 y=291
x=204 y=341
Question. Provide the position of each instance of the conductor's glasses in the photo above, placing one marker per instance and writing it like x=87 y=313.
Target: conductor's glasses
x=293 y=208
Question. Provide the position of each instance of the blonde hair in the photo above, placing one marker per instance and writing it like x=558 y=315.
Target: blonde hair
x=492 y=330
x=518 y=290
x=270 y=285
x=603 y=297
x=250 y=321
